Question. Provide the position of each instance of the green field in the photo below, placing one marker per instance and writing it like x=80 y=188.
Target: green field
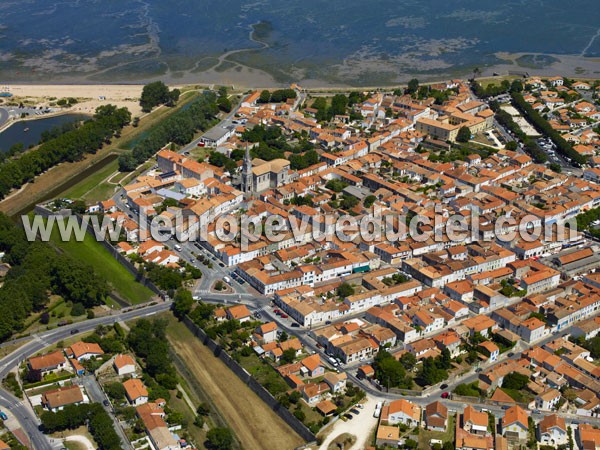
x=122 y=282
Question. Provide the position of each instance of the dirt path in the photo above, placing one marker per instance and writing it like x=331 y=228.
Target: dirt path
x=254 y=423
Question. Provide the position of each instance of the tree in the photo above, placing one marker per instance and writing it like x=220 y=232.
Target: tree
x=224 y=104
x=219 y=438
x=515 y=380
x=390 y=372
x=265 y=97
x=464 y=135
x=369 y=200
x=182 y=303
x=157 y=93
x=408 y=360
x=288 y=356
x=345 y=290
x=413 y=86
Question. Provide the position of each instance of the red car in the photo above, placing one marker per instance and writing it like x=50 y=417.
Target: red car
x=445 y=395
x=201 y=144
x=284 y=316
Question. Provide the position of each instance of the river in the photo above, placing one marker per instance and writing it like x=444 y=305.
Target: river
x=16 y=132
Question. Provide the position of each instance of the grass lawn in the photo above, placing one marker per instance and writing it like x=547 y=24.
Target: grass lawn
x=104 y=264
x=264 y=374
x=94 y=184
x=519 y=396
x=447 y=436
x=198 y=435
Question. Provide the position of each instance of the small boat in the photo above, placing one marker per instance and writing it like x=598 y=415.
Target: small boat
x=26 y=130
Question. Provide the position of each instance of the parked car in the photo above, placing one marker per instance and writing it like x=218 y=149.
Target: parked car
x=3 y=415
x=445 y=394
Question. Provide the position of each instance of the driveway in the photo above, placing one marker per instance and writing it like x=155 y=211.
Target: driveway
x=360 y=426
x=82 y=440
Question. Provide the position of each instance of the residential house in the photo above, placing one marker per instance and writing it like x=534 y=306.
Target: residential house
x=241 y=313
x=388 y=436
x=401 y=411
x=56 y=399
x=552 y=430
x=39 y=366
x=136 y=392
x=548 y=400
x=490 y=349
x=474 y=422
x=84 y=350
x=336 y=381
x=436 y=416
x=312 y=366
x=124 y=365
x=267 y=332
x=515 y=425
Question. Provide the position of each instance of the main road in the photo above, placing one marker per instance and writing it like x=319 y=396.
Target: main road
x=22 y=413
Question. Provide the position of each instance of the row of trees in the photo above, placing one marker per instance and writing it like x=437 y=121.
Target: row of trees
x=73 y=416
x=280 y=95
x=157 y=93
x=531 y=146
x=542 y=125
x=179 y=128
x=149 y=342
x=70 y=146
x=37 y=271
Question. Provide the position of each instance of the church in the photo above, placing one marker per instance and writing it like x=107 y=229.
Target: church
x=259 y=175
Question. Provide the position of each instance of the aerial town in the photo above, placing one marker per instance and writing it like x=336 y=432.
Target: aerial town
x=414 y=339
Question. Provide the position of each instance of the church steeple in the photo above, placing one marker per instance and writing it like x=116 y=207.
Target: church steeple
x=247 y=172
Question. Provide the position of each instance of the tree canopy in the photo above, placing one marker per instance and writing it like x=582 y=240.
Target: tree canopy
x=157 y=93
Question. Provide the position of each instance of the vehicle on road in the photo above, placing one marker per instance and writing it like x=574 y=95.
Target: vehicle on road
x=178 y=247
x=511 y=354
x=106 y=403
x=445 y=394
x=443 y=386
x=227 y=279
x=284 y=316
x=75 y=331
x=295 y=325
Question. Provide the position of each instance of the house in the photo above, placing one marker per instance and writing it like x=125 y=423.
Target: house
x=388 y=436
x=136 y=392
x=4 y=445
x=152 y=416
x=312 y=366
x=548 y=400
x=552 y=431
x=312 y=392
x=124 y=365
x=336 y=381
x=57 y=399
x=365 y=371
x=514 y=423
x=588 y=437
x=326 y=407
x=241 y=313
x=39 y=366
x=436 y=416
x=474 y=422
x=84 y=350
x=401 y=411
x=267 y=332
x=490 y=349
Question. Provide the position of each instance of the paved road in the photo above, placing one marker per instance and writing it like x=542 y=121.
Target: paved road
x=94 y=391
x=22 y=413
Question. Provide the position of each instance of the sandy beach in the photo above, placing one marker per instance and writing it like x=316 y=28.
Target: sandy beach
x=89 y=96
